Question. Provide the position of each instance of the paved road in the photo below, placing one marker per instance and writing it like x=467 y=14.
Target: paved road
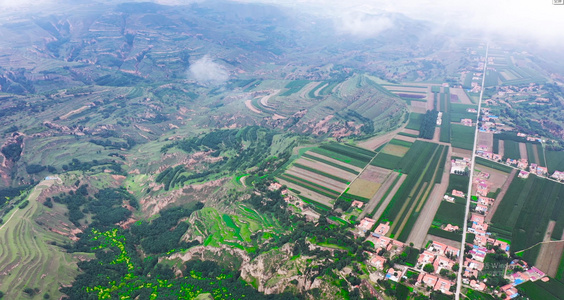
x=468 y=198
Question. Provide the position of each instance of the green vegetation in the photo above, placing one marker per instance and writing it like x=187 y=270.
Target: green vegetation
x=294 y=87
x=340 y=157
x=458 y=182
x=450 y=213
x=401 y=143
x=415 y=121
x=386 y=161
x=462 y=136
x=428 y=124
x=554 y=160
x=330 y=163
x=525 y=211
x=458 y=112
x=321 y=173
x=421 y=164
x=542 y=290
x=511 y=149
x=310 y=186
x=490 y=164
x=442 y=164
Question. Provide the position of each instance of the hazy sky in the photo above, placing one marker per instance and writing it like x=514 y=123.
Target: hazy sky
x=538 y=19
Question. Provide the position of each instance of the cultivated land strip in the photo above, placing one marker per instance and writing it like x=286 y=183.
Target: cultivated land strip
x=418 y=234
x=379 y=194
x=389 y=197
x=469 y=196
x=500 y=196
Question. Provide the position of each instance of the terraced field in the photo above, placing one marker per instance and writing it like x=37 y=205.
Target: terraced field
x=323 y=173
x=28 y=258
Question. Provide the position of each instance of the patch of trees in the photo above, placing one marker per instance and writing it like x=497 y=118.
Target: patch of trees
x=77 y=165
x=12 y=152
x=11 y=192
x=34 y=169
x=24 y=204
x=164 y=233
x=351 y=115
x=110 y=144
x=106 y=205
x=428 y=124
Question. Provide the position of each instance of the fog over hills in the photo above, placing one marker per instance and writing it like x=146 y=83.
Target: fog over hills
x=218 y=149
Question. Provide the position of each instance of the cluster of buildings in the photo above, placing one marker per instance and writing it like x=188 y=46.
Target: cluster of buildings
x=439 y=255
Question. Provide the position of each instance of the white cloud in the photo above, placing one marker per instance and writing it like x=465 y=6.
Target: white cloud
x=205 y=71
x=363 y=25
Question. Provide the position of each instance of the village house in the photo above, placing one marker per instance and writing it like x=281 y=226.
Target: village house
x=448 y=198
x=479 y=286
x=457 y=193
x=466 y=122
x=510 y=291
x=482 y=189
x=443 y=249
x=366 y=224
x=357 y=203
x=558 y=175
x=523 y=163
x=378 y=262
x=426 y=258
x=523 y=174
x=442 y=262
x=393 y=275
x=481 y=208
x=451 y=228
x=485 y=200
x=382 y=228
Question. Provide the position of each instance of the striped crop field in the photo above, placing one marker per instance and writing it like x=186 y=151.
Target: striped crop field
x=29 y=257
x=325 y=172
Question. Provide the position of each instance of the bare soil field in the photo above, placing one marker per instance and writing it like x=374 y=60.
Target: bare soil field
x=501 y=148
x=393 y=88
x=437 y=135
x=317 y=179
x=250 y=106
x=486 y=139
x=326 y=168
x=307 y=193
x=379 y=194
x=405 y=138
x=395 y=150
x=461 y=152
x=375 y=174
x=308 y=88
x=536 y=154
x=497 y=178
x=76 y=111
x=411 y=131
x=462 y=97
x=500 y=196
x=335 y=161
x=264 y=100
x=448 y=242
x=419 y=106
x=364 y=188
x=550 y=252
x=377 y=141
x=523 y=150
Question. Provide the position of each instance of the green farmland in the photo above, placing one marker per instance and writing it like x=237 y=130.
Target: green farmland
x=421 y=163
x=525 y=211
x=462 y=136
x=30 y=252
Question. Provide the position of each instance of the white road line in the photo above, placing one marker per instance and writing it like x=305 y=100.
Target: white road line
x=469 y=196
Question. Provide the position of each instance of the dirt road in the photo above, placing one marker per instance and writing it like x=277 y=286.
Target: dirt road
x=418 y=234
x=500 y=196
